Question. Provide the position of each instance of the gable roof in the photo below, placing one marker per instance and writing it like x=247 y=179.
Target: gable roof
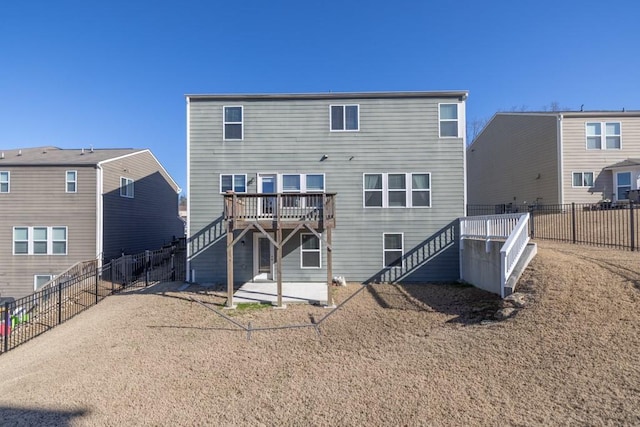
x=54 y=156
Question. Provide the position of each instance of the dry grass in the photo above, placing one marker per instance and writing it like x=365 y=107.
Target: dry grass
x=395 y=355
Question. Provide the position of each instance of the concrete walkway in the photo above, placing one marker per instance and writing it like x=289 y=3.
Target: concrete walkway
x=292 y=292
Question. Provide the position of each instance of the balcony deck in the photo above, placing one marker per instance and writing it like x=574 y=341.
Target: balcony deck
x=280 y=210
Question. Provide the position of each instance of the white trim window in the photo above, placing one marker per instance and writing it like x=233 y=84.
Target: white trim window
x=40 y=240
x=5 y=181
x=71 y=181
x=397 y=190
x=39 y=280
x=344 y=118
x=302 y=184
x=233 y=182
x=392 y=250
x=623 y=185
x=582 y=179
x=310 y=251
x=232 y=120
x=448 y=117
x=126 y=187
x=610 y=132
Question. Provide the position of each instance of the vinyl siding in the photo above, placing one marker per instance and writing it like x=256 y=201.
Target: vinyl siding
x=147 y=221
x=578 y=159
x=291 y=136
x=38 y=198
x=514 y=160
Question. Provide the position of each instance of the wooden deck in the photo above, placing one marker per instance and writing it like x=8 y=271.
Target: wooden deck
x=274 y=212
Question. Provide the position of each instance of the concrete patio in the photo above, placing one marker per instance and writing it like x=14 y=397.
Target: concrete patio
x=292 y=293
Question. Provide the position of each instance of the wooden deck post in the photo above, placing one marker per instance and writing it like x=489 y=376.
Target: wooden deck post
x=279 y=264
x=279 y=249
x=230 y=265
x=329 y=267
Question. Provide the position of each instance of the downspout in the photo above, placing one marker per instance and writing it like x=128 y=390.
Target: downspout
x=560 y=160
x=188 y=227
x=99 y=214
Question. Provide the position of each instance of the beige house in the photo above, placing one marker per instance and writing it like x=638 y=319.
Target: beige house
x=555 y=157
x=62 y=206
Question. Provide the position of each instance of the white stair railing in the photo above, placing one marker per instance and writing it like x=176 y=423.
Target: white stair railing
x=512 y=250
x=513 y=228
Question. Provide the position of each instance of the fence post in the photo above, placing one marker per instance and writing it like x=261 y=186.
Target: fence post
x=7 y=325
x=97 y=282
x=173 y=268
x=532 y=222
x=632 y=226
x=59 y=301
x=573 y=221
x=146 y=268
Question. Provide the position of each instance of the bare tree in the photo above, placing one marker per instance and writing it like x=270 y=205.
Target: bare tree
x=474 y=127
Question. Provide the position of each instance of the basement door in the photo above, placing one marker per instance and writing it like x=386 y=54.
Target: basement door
x=263 y=257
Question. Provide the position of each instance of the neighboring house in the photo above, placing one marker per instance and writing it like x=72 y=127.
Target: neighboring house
x=62 y=206
x=555 y=158
x=378 y=178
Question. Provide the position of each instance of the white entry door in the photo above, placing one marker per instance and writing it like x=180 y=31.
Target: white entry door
x=263 y=258
x=267 y=183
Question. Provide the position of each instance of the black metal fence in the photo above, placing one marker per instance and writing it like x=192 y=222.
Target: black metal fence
x=82 y=286
x=599 y=224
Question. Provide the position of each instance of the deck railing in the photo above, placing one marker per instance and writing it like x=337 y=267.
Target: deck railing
x=280 y=207
x=512 y=250
x=512 y=228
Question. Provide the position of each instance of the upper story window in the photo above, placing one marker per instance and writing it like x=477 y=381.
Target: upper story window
x=71 y=181
x=235 y=183
x=4 y=181
x=39 y=240
x=233 y=128
x=449 y=123
x=345 y=117
x=583 y=179
x=397 y=190
x=610 y=132
x=126 y=187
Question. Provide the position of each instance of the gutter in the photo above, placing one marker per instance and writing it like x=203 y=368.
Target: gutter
x=560 y=160
x=99 y=213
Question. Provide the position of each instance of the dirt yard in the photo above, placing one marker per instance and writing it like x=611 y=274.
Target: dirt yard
x=394 y=355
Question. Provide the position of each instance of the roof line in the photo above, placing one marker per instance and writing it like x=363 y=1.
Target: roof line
x=332 y=95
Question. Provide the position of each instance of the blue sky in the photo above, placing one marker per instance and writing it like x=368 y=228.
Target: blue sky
x=114 y=73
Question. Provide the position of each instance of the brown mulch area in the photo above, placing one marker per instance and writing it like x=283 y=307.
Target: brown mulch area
x=394 y=355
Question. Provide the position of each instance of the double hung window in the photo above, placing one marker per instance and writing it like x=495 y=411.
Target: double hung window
x=71 y=181
x=449 y=121
x=233 y=123
x=310 y=251
x=583 y=179
x=623 y=180
x=39 y=280
x=4 y=181
x=608 y=132
x=236 y=183
x=392 y=249
x=40 y=240
x=397 y=190
x=126 y=187
x=345 y=117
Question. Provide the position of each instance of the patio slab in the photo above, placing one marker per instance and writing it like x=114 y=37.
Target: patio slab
x=292 y=292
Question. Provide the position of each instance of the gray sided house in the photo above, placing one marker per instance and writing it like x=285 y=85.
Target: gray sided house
x=63 y=206
x=377 y=178
x=555 y=158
